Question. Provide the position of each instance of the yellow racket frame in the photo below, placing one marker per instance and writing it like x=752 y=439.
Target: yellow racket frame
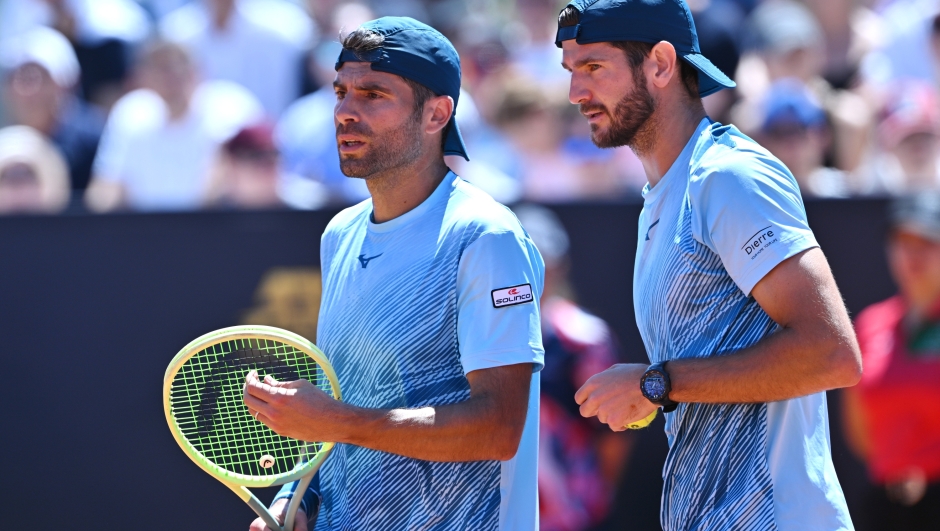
x=238 y=483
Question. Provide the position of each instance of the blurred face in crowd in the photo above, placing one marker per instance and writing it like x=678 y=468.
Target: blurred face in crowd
x=20 y=189
x=33 y=97
x=800 y=148
x=378 y=129
x=917 y=153
x=253 y=178
x=612 y=95
x=168 y=71
x=915 y=265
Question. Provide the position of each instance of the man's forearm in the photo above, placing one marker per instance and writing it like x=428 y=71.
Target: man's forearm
x=486 y=426
x=782 y=366
x=813 y=350
x=457 y=432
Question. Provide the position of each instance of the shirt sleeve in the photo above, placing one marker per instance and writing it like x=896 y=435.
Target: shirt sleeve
x=499 y=283
x=751 y=214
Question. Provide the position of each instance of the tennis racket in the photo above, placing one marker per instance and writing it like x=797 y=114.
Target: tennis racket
x=202 y=399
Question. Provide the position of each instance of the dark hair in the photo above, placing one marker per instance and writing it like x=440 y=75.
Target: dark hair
x=637 y=52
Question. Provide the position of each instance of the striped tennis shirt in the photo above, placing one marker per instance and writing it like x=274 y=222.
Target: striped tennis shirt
x=724 y=215
x=409 y=307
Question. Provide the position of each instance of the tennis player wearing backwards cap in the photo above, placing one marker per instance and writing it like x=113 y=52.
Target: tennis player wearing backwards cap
x=735 y=302
x=429 y=315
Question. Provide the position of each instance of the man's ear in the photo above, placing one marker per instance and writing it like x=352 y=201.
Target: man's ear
x=439 y=110
x=664 y=65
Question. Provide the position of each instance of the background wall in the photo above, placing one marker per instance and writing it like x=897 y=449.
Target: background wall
x=92 y=309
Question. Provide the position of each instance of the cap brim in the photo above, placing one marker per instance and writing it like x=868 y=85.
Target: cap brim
x=710 y=78
x=453 y=142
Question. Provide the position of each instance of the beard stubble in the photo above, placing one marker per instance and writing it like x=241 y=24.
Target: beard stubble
x=396 y=148
x=633 y=121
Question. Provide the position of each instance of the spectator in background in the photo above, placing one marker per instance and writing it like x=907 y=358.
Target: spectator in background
x=909 y=45
x=158 y=145
x=793 y=127
x=33 y=176
x=104 y=34
x=553 y=166
x=906 y=157
x=534 y=52
x=306 y=133
x=247 y=173
x=40 y=72
x=892 y=418
x=850 y=30
x=785 y=40
x=579 y=461
x=258 y=44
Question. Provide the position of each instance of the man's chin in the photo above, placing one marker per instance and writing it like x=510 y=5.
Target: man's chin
x=353 y=167
x=603 y=140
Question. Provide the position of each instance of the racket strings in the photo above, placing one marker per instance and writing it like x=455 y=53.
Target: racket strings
x=206 y=403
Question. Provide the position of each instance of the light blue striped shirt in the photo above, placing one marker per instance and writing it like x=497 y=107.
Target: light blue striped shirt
x=724 y=215
x=409 y=307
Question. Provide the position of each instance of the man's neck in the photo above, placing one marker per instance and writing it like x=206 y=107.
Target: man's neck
x=673 y=129
x=403 y=189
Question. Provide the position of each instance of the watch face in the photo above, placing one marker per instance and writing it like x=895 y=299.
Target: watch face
x=654 y=385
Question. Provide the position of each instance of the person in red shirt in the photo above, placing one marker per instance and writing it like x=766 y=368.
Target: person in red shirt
x=892 y=417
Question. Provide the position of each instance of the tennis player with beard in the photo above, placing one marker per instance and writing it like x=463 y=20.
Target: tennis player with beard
x=735 y=301
x=429 y=315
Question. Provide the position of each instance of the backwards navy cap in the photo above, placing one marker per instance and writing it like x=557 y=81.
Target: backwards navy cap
x=645 y=21
x=418 y=52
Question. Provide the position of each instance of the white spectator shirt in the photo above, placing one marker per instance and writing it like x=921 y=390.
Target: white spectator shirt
x=163 y=164
x=262 y=53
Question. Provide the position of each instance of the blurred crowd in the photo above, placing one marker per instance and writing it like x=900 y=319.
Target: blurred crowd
x=155 y=105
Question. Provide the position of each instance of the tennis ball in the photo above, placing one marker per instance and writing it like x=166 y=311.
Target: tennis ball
x=266 y=461
x=643 y=423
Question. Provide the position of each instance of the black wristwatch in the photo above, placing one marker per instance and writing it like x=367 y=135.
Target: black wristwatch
x=655 y=386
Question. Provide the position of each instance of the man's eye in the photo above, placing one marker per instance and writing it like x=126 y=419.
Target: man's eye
x=592 y=67
x=340 y=94
x=373 y=95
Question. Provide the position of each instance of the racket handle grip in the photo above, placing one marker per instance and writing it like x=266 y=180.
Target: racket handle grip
x=265 y=515
x=295 y=501
x=255 y=505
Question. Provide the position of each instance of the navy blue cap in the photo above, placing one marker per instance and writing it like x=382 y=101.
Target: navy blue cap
x=788 y=102
x=418 y=52
x=645 y=21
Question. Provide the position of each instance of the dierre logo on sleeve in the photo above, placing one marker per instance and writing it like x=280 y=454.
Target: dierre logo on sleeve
x=761 y=240
x=512 y=295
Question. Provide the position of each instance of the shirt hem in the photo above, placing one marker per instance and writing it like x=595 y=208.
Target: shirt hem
x=489 y=359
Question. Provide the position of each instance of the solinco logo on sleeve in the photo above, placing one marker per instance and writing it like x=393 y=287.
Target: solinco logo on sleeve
x=511 y=296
